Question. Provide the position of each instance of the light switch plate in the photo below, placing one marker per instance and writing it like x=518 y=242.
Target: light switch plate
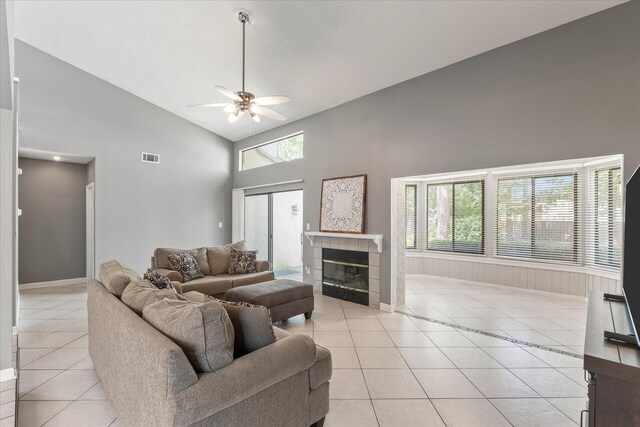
x=308 y=227
x=220 y=225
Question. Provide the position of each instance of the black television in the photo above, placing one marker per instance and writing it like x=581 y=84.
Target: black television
x=631 y=257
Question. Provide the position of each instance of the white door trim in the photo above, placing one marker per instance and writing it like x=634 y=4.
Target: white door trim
x=90 y=229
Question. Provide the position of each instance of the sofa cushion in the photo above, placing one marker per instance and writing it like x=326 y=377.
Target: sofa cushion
x=280 y=333
x=252 y=326
x=185 y=264
x=220 y=256
x=209 y=285
x=158 y=279
x=203 y=331
x=161 y=258
x=115 y=276
x=251 y=323
x=141 y=293
x=248 y=279
x=242 y=262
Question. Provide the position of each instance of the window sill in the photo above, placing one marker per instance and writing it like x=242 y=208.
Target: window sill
x=484 y=259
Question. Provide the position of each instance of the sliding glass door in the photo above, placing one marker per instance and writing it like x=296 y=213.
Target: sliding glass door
x=256 y=224
x=273 y=225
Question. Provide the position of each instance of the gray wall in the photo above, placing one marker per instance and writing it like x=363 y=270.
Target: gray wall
x=139 y=206
x=570 y=92
x=52 y=227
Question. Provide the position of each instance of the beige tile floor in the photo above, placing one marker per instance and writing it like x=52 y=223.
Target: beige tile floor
x=389 y=369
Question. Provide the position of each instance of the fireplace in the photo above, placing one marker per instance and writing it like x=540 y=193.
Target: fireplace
x=345 y=275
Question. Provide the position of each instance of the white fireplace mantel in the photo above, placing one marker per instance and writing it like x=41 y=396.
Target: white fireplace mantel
x=376 y=238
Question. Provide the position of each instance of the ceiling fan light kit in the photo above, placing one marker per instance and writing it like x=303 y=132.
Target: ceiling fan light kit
x=244 y=101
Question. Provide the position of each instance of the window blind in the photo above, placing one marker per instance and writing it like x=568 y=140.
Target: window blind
x=455 y=217
x=603 y=228
x=411 y=216
x=538 y=217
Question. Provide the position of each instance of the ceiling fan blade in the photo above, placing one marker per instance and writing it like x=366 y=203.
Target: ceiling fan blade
x=255 y=117
x=268 y=113
x=216 y=104
x=228 y=93
x=271 y=100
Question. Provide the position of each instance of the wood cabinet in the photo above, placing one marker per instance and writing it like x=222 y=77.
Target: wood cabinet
x=614 y=368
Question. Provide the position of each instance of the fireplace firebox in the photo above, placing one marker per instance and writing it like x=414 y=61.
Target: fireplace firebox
x=345 y=275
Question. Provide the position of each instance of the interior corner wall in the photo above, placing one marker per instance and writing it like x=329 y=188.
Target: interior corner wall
x=139 y=206
x=570 y=92
x=52 y=227
x=7 y=186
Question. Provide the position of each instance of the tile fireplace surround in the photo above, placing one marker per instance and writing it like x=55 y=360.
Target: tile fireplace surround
x=371 y=243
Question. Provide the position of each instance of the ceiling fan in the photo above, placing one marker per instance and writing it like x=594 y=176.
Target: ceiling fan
x=246 y=102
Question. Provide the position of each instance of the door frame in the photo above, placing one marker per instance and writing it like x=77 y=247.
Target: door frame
x=269 y=195
x=90 y=202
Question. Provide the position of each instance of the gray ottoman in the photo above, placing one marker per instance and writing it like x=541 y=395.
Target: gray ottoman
x=284 y=298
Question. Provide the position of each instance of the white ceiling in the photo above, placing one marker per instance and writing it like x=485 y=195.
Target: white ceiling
x=319 y=53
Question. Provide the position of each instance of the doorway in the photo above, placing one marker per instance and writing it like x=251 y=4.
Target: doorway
x=273 y=225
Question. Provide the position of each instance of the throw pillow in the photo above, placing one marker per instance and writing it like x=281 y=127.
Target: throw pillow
x=158 y=280
x=203 y=331
x=242 y=262
x=141 y=293
x=161 y=258
x=185 y=264
x=251 y=324
x=115 y=276
x=220 y=256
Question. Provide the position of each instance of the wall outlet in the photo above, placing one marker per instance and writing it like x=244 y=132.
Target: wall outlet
x=307 y=269
x=308 y=227
x=220 y=225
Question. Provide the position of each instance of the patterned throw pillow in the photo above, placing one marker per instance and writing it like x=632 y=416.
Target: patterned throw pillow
x=185 y=263
x=158 y=280
x=242 y=262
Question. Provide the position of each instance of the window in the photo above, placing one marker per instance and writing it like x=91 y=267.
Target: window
x=455 y=217
x=278 y=151
x=537 y=217
x=411 y=214
x=606 y=231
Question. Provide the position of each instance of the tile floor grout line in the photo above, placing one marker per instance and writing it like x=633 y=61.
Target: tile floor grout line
x=491 y=334
x=355 y=350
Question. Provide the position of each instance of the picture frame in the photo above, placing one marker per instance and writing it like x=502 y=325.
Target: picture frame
x=343 y=204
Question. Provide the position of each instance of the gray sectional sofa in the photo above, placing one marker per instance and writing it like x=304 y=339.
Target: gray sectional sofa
x=214 y=264
x=150 y=381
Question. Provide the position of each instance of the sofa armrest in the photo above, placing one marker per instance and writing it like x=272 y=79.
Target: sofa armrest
x=262 y=266
x=172 y=275
x=195 y=296
x=245 y=377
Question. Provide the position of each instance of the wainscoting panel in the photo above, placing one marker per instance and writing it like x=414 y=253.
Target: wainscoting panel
x=529 y=277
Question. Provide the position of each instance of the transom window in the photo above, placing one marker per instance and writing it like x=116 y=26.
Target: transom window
x=280 y=150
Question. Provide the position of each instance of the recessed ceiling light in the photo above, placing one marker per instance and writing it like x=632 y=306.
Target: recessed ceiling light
x=57 y=158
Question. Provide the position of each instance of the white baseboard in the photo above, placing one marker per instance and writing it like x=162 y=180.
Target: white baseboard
x=510 y=288
x=387 y=307
x=7 y=375
x=63 y=282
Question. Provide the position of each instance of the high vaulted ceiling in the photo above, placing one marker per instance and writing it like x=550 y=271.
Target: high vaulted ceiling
x=319 y=53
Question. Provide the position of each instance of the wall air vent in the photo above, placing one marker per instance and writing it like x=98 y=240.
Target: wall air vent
x=150 y=158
